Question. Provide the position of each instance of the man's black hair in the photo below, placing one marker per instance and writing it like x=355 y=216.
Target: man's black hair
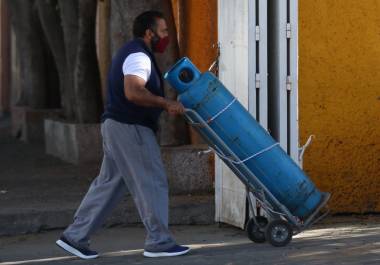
x=144 y=21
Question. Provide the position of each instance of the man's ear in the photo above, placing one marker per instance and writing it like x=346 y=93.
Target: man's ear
x=149 y=33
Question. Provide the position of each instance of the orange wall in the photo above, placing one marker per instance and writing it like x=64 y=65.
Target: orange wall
x=196 y=22
x=197 y=28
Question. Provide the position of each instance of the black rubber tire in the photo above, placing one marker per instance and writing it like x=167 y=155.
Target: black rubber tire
x=253 y=231
x=279 y=233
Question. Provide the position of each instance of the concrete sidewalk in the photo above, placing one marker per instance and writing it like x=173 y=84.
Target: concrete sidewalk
x=351 y=242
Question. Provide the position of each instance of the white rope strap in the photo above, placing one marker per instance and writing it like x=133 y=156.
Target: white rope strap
x=220 y=112
x=248 y=158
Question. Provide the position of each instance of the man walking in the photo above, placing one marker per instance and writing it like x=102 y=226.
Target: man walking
x=135 y=99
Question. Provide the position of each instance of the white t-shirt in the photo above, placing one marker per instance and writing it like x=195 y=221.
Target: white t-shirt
x=137 y=64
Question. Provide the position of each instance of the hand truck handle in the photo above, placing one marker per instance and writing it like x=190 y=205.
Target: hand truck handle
x=189 y=114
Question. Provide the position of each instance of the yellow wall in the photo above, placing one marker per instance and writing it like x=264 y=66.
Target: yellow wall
x=339 y=99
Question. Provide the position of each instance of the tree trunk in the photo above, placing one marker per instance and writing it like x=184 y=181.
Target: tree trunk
x=30 y=47
x=173 y=130
x=70 y=29
x=122 y=15
x=51 y=23
x=103 y=43
x=86 y=74
x=68 y=14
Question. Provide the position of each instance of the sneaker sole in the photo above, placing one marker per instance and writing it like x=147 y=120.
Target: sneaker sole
x=163 y=254
x=74 y=251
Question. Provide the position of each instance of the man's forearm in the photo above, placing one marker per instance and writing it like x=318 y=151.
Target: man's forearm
x=143 y=97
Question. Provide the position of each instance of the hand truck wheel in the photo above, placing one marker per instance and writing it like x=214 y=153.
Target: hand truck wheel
x=279 y=233
x=254 y=231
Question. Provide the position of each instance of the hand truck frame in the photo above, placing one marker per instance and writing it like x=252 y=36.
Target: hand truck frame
x=271 y=220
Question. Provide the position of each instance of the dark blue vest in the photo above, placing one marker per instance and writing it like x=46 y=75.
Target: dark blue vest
x=118 y=107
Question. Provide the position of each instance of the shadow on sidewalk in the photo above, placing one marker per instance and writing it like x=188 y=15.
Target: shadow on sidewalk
x=32 y=183
x=342 y=244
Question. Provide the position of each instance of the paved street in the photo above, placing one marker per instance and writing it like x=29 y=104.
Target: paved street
x=345 y=242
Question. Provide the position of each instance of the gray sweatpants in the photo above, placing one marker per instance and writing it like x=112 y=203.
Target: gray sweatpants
x=131 y=159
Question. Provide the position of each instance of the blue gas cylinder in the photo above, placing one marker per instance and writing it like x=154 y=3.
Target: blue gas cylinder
x=205 y=94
